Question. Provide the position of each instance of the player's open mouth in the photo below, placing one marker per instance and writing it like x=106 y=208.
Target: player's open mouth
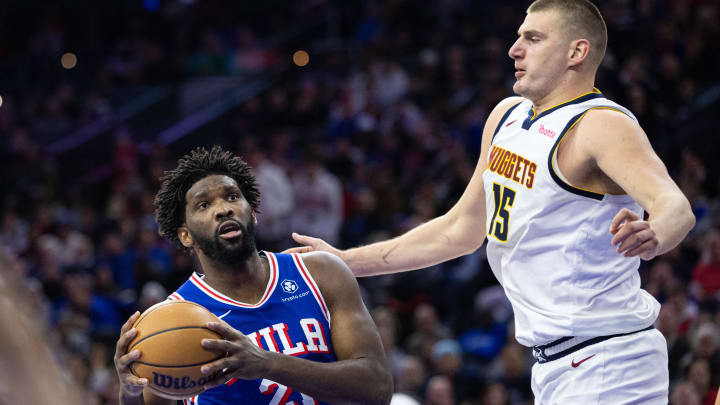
x=519 y=73
x=229 y=229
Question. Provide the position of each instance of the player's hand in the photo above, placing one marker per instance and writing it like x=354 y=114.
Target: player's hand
x=633 y=235
x=244 y=359
x=311 y=245
x=129 y=383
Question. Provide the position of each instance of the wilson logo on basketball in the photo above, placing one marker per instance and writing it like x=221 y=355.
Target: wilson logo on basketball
x=547 y=132
x=177 y=383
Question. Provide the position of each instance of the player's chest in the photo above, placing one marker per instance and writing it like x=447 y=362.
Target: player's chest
x=294 y=330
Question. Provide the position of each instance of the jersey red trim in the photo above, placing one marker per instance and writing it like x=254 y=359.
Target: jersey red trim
x=218 y=296
x=313 y=286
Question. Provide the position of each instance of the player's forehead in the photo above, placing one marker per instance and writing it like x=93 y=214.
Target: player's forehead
x=545 y=22
x=211 y=184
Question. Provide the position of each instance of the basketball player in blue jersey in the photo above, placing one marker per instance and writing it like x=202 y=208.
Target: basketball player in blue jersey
x=561 y=188
x=294 y=326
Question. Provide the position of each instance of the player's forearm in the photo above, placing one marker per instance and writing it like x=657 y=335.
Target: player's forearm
x=361 y=381
x=671 y=218
x=433 y=242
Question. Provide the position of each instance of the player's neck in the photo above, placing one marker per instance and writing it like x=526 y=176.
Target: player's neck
x=244 y=282
x=562 y=94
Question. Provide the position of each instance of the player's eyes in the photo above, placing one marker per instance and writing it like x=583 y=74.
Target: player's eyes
x=202 y=205
x=233 y=197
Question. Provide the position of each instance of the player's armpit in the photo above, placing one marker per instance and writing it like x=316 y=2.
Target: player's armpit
x=468 y=215
x=621 y=150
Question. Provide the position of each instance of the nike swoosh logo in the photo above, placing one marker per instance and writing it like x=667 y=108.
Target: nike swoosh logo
x=225 y=314
x=581 y=361
x=510 y=123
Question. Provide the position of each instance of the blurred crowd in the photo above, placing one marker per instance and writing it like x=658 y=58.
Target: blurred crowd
x=379 y=133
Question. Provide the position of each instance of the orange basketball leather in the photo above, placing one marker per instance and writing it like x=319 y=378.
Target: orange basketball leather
x=169 y=336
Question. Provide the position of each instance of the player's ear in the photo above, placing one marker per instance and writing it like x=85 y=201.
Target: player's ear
x=578 y=51
x=184 y=235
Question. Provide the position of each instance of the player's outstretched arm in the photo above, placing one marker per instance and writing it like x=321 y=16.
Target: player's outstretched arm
x=458 y=232
x=622 y=151
x=360 y=374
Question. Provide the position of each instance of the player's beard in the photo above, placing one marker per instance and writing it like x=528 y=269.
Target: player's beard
x=229 y=253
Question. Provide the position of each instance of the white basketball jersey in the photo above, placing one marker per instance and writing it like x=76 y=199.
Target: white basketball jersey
x=549 y=243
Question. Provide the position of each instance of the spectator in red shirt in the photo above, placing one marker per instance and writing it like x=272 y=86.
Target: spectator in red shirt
x=707 y=272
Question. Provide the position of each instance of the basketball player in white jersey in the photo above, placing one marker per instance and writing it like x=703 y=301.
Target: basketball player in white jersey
x=564 y=179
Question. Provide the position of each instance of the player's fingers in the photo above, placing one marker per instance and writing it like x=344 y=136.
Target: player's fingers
x=624 y=215
x=217 y=345
x=219 y=380
x=123 y=362
x=217 y=365
x=645 y=250
x=299 y=249
x=309 y=241
x=130 y=322
x=132 y=380
x=628 y=229
x=635 y=239
x=122 y=343
x=225 y=330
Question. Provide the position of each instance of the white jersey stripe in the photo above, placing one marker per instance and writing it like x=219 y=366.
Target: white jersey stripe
x=197 y=279
x=313 y=286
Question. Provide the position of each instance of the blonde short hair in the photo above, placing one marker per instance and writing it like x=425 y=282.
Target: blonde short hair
x=583 y=20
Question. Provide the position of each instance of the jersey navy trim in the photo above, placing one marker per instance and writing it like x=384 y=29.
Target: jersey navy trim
x=502 y=120
x=576 y=190
x=531 y=118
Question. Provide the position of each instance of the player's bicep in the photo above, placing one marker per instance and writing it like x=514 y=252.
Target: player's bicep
x=622 y=151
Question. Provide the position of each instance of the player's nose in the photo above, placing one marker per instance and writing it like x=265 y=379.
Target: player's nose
x=223 y=211
x=515 y=51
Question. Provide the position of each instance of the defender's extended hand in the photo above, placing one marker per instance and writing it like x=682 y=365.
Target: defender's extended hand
x=633 y=236
x=244 y=359
x=311 y=244
x=129 y=383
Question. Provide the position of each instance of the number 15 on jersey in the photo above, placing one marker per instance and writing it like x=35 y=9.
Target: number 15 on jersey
x=500 y=223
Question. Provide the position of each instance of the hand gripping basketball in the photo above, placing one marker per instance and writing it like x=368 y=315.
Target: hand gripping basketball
x=244 y=359
x=129 y=384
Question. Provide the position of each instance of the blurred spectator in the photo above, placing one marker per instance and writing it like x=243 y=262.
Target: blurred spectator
x=277 y=201
x=685 y=393
x=318 y=198
x=439 y=391
x=428 y=331
x=411 y=376
x=707 y=272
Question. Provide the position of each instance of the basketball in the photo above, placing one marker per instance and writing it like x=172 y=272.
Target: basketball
x=169 y=336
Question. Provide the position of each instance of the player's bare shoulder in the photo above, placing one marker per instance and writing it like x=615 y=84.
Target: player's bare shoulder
x=600 y=128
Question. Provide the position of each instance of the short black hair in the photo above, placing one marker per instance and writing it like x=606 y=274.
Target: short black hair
x=199 y=163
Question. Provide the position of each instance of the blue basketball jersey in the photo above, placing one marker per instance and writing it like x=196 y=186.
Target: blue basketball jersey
x=290 y=318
